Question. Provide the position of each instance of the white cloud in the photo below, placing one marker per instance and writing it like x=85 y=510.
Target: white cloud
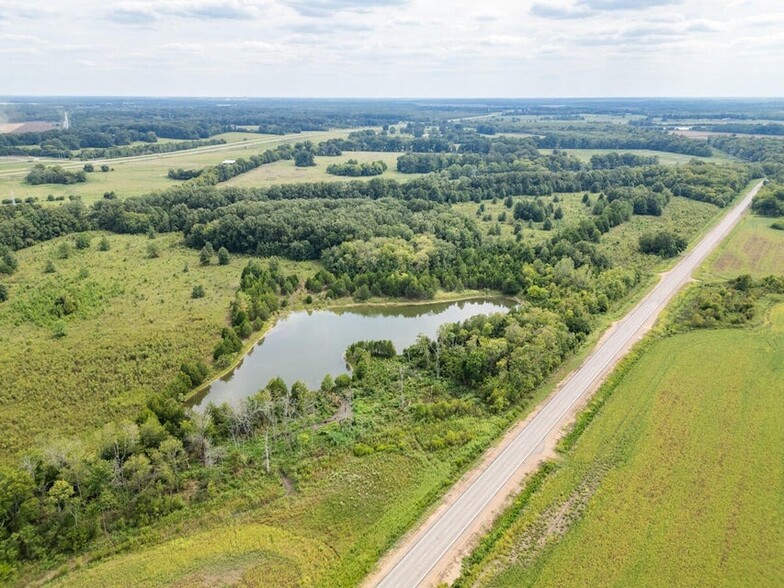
x=393 y=47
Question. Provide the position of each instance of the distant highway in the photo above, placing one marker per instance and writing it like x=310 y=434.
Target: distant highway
x=430 y=550
x=76 y=164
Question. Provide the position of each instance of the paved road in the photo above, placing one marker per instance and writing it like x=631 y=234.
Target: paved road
x=437 y=542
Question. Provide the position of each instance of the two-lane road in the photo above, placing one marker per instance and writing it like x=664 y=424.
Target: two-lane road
x=438 y=543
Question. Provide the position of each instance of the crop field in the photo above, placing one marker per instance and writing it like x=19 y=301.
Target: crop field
x=133 y=326
x=677 y=482
x=753 y=248
x=141 y=176
x=285 y=172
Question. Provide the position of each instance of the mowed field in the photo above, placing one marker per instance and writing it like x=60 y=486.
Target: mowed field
x=132 y=177
x=285 y=172
x=752 y=248
x=678 y=481
x=134 y=324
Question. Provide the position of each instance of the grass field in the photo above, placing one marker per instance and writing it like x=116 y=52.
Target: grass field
x=135 y=323
x=665 y=157
x=752 y=248
x=141 y=176
x=285 y=172
x=678 y=481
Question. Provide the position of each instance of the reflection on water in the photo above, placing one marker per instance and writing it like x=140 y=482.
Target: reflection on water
x=307 y=345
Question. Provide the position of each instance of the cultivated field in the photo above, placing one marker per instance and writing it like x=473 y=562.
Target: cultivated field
x=678 y=482
x=753 y=248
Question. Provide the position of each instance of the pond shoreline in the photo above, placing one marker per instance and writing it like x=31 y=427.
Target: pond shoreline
x=190 y=399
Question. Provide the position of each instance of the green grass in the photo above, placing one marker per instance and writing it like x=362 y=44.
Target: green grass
x=752 y=248
x=686 y=217
x=134 y=324
x=285 y=172
x=677 y=482
x=134 y=177
x=665 y=157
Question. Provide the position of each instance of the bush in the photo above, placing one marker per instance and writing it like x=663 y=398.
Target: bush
x=104 y=244
x=153 y=250
x=88 y=167
x=778 y=225
x=663 y=244
x=82 y=241
x=223 y=256
x=198 y=291
x=205 y=256
x=49 y=267
x=3 y=292
x=41 y=174
x=8 y=263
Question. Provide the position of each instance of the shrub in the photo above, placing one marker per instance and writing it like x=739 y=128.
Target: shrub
x=223 y=256
x=82 y=241
x=104 y=244
x=3 y=292
x=198 y=291
x=663 y=243
x=153 y=250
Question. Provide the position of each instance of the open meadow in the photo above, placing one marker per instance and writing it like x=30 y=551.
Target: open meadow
x=142 y=175
x=133 y=323
x=285 y=172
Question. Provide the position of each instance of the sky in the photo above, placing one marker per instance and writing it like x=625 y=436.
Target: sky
x=392 y=48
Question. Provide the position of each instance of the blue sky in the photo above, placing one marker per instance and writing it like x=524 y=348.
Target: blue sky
x=399 y=48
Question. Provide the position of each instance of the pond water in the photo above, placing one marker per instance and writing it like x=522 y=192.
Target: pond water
x=307 y=345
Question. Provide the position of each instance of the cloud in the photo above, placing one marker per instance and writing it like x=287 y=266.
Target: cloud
x=603 y=5
x=587 y=8
x=148 y=12
x=328 y=7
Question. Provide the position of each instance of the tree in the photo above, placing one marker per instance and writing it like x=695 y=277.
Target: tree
x=3 y=292
x=205 y=257
x=304 y=158
x=663 y=243
x=223 y=256
x=88 y=167
x=104 y=168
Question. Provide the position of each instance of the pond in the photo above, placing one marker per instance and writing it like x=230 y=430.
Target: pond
x=307 y=345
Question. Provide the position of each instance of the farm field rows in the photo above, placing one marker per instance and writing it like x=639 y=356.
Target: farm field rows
x=677 y=481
